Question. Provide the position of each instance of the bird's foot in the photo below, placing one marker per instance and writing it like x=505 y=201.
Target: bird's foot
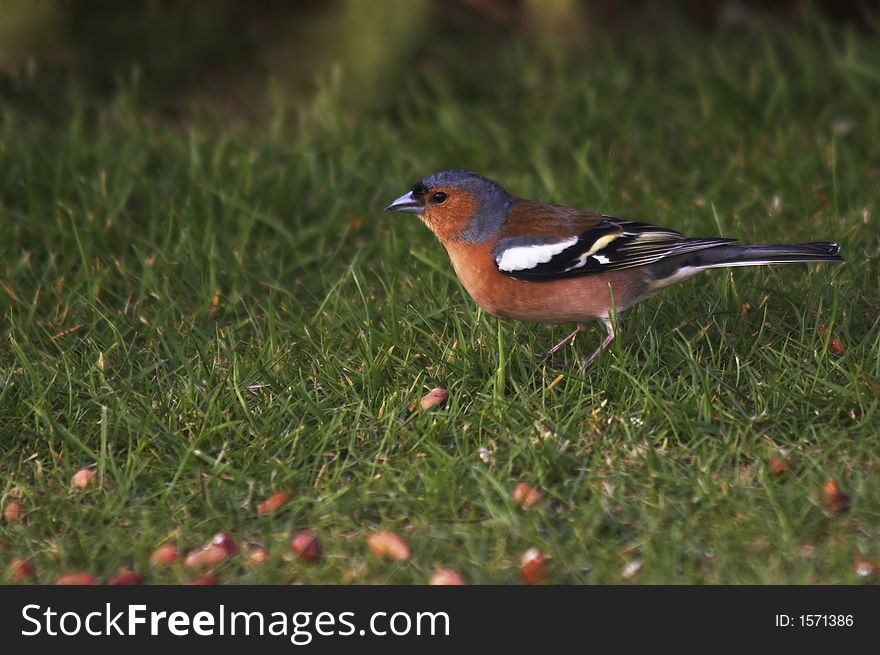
x=602 y=347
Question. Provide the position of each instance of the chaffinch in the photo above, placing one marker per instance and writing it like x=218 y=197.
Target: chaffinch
x=545 y=263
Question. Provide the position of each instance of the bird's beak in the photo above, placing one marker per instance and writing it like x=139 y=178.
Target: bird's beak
x=406 y=204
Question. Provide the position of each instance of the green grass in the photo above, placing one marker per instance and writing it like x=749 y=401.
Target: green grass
x=264 y=326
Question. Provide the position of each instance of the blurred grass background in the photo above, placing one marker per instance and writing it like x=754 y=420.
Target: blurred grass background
x=202 y=300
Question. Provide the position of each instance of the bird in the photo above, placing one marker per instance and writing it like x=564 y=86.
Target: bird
x=546 y=263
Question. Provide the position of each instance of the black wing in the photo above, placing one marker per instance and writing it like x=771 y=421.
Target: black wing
x=610 y=245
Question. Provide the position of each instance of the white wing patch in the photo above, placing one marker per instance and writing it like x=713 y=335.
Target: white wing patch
x=522 y=258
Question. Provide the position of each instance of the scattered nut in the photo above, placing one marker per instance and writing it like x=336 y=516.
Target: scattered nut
x=224 y=541
x=835 y=345
x=221 y=548
x=202 y=580
x=126 y=577
x=272 y=504
x=388 y=544
x=525 y=495
x=434 y=397
x=533 y=567
x=306 y=546
x=778 y=466
x=82 y=478
x=206 y=558
x=833 y=498
x=164 y=555
x=446 y=577
x=13 y=512
x=863 y=567
x=631 y=568
x=21 y=569
x=257 y=555
x=77 y=578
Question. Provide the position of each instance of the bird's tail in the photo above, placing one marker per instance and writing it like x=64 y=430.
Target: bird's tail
x=679 y=268
x=759 y=255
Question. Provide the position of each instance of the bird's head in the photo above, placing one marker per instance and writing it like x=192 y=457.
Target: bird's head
x=457 y=205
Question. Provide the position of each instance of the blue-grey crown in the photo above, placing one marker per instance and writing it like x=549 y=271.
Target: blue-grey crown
x=494 y=201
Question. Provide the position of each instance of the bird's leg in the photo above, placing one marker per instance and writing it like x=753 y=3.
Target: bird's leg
x=602 y=346
x=562 y=344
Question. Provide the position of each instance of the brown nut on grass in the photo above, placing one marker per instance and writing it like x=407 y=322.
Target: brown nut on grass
x=164 y=555
x=224 y=541
x=631 y=568
x=436 y=396
x=13 y=512
x=221 y=548
x=525 y=495
x=206 y=558
x=833 y=498
x=272 y=504
x=533 y=567
x=77 y=578
x=864 y=568
x=125 y=577
x=446 y=577
x=257 y=555
x=82 y=478
x=779 y=465
x=387 y=544
x=20 y=569
x=306 y=546
x=202 y=580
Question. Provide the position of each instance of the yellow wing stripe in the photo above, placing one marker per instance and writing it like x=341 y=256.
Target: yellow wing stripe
x=599 y=244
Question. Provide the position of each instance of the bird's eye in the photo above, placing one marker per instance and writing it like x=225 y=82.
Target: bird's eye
x=439 y=197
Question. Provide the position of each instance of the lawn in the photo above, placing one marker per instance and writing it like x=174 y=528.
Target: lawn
x=206 y=311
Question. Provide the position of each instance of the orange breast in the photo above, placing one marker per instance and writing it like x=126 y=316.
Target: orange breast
x=570 y=300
